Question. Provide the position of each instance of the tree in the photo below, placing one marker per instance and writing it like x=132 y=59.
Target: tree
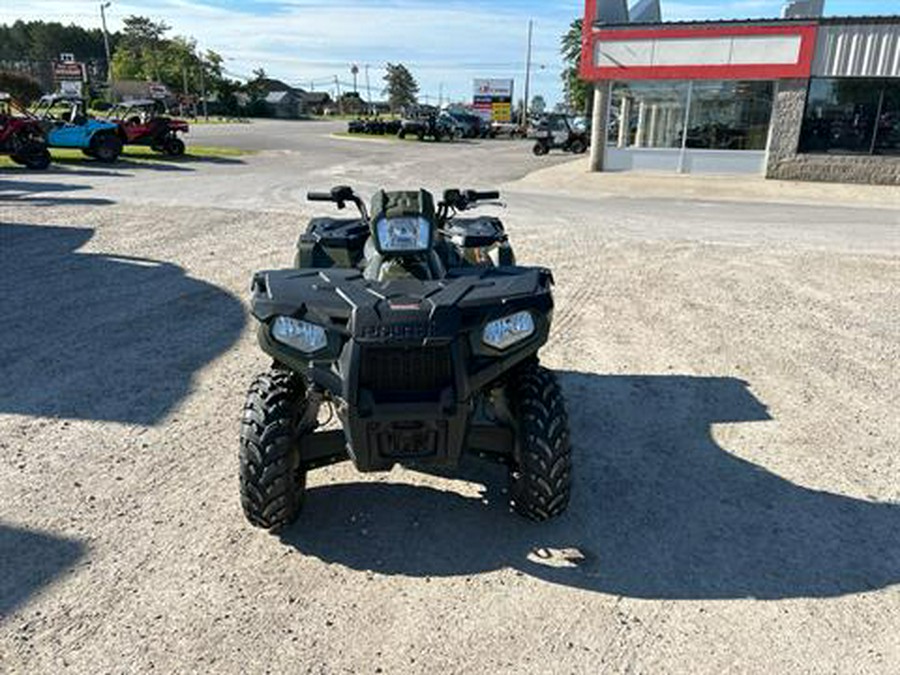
x=401 y=87
x=21 y=87
x=538 y=105
x=577 y=90
x=139 y=56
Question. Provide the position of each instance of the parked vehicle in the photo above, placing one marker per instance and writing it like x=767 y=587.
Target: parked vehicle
x=424 y=122
x=470 y=124
x=508 y=129
x=146 y=122
x=67 y=125
x=559 y=132
x=416 y=329
x=21 y=137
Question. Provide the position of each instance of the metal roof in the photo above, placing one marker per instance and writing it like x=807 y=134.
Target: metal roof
x=887 y=19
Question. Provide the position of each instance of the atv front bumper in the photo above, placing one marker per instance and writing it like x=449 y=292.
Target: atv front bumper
x=382 y=429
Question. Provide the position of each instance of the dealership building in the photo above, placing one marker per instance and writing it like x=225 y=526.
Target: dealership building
x=803 y=97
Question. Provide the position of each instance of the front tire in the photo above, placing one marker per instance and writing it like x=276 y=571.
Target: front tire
x=271 y=480
x=540 y=149
x=578 y=147
x=541 y=479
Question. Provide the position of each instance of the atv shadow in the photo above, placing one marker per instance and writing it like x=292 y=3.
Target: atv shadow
x=19 y=192
x=659 y=510
x=30 y=561
x=100 y=337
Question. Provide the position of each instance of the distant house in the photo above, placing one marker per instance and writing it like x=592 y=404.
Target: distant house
x=316 y=102
x=287 y=104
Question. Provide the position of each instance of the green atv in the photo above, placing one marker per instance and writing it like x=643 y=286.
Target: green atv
x=418 y=331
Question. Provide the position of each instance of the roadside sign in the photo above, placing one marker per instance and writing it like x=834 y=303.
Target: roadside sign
x=493 y=99
x=71 y=88
x=157 y=90
x=68 y=70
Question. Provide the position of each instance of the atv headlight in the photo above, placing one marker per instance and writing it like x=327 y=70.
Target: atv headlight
x=509 y=330
x=306 y=337
x=403 y=235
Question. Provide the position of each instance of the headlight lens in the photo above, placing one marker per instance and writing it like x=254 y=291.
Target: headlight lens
x=306 y=337
x=403 y=235
x=510 y=330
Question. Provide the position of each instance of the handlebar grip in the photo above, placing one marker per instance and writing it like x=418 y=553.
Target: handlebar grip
x=483 y=196
x=319 y=197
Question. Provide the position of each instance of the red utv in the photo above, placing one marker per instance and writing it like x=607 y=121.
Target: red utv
x=145 y=122
x=22 y=137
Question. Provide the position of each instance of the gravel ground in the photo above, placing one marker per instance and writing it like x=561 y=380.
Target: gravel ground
x=731 y=375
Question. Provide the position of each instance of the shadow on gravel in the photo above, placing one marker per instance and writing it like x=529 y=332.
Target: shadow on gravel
x=99 y=337
x=24 y=192
x=29 y=561
x=659 y=510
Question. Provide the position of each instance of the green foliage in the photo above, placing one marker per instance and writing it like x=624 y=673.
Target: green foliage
x=21 y=87
x=42 y=41
x=401 y=86
x=577 y=90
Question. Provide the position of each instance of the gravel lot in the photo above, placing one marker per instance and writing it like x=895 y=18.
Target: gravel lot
x=731 y=370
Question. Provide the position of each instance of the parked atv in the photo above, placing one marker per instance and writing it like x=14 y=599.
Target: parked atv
x=66 y=124
x=145 y=122
x=21 y=137
x=416 y=329
x=558 y=132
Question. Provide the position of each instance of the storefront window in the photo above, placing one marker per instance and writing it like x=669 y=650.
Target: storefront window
x=730 y=115
x=722 y=115
x=648 y=114
x=851 y=116
x=887 y=140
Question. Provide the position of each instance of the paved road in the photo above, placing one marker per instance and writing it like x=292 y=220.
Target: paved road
x=731 y=375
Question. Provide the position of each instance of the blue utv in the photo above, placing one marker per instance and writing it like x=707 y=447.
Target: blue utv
x=67 y=125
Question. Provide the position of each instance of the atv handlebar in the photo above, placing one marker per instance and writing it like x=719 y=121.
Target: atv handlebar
x=319 y=197
x=474 y=196
x=340 y=195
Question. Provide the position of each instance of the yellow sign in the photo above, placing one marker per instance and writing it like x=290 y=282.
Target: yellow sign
x=501 y=112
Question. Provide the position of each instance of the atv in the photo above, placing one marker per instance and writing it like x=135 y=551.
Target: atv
x=66 y=124
x=416 y=329
x=21 y=137
x=144 y=122
x=559 y=132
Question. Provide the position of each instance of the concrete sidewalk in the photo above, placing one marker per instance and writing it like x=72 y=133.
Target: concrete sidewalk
x=574 y=178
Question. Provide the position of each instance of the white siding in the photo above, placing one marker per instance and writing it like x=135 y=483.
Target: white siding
x=860 y=50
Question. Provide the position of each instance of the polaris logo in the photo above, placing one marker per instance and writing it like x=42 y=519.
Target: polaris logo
x=396 y=331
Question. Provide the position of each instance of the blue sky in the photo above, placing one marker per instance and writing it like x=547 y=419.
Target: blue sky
x=445 y=44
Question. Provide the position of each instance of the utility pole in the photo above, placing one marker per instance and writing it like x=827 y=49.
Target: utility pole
x=441 y=95
x=203 y=89
x=109 y=73
x=337 y=88
x=368 y=89
x=527 y=74
x=354 y=70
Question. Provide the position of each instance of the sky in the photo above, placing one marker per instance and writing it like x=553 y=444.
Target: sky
x=444 y=43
